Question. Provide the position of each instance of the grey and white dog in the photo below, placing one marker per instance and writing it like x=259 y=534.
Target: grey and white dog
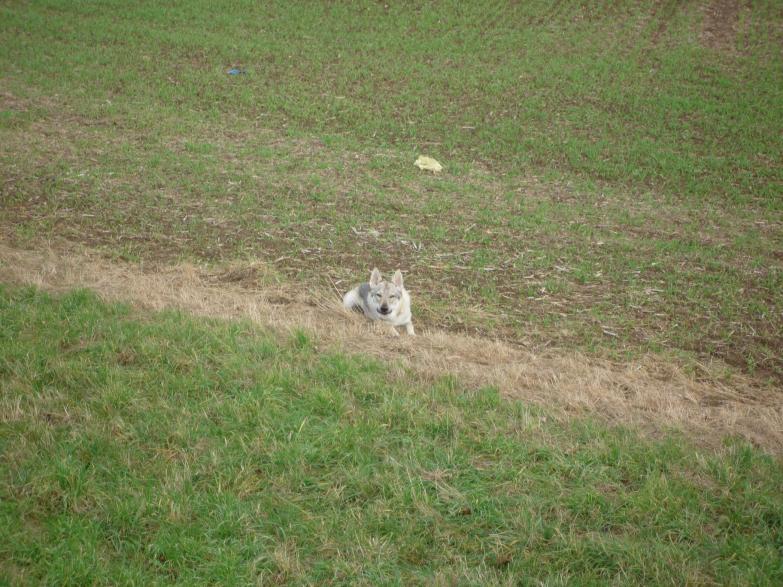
x=387 y=301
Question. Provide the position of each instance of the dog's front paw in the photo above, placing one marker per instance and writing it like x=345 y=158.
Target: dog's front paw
x=393 y=331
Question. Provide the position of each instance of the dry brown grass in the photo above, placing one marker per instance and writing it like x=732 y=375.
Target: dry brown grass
x=649 y=393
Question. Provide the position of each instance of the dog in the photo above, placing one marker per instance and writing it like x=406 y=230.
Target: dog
x=387 y=301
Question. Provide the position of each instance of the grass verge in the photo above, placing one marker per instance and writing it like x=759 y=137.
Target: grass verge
x=160 y=448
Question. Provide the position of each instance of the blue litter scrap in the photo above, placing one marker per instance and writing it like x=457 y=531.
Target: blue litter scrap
x=235 y=71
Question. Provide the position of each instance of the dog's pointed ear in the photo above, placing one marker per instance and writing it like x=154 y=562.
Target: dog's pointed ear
x=375 y=277
x=397 y=279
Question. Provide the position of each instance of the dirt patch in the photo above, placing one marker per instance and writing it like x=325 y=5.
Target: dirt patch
x=721 y=19
x=648 y=392
x=664 y=14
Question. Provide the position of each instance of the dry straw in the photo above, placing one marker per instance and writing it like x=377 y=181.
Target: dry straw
x=649 y=393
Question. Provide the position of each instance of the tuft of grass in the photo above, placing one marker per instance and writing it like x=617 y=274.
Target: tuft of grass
x=164 y=449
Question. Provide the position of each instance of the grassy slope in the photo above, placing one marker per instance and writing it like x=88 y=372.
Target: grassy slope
x=611 y=173
x=163 y=449
x=617 y=91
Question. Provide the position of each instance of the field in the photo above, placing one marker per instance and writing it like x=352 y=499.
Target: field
x=611 y=203
x=157 y=448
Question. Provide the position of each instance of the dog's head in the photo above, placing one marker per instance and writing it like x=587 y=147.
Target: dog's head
x=385 y=296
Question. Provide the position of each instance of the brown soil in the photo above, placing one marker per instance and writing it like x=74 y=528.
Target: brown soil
x=721 y=18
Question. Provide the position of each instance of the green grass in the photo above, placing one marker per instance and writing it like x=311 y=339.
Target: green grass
x=608 y=167
x=591 y=89
x=161 y=449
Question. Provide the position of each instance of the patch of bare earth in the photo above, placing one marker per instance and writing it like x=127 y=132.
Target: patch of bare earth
x=649 y=393
x=721 y=20
x=663 y=13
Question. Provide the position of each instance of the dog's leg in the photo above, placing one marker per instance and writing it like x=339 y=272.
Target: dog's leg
x=380 y=328
x=409 y=329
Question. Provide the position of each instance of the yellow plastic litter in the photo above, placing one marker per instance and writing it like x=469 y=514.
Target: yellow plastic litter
x=428 y=164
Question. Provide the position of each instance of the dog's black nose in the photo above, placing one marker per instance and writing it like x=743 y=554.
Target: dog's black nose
x=384 y=309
